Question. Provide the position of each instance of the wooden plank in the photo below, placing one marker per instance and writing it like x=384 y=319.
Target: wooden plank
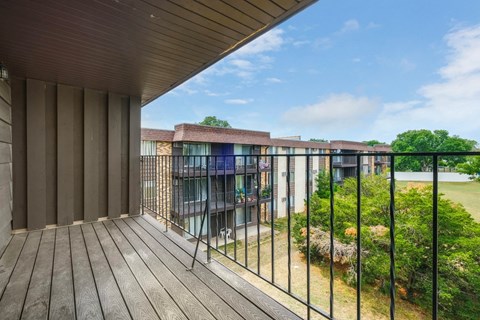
x=14 y=295
x=222 y=274
x=19 y=154
x=5 y=152
x=78 y=155
x=155 y=292
x=102 y=154
x=65 y=154
x=91 y=155
x=161 y=263
x=86 y=297
x=5 y=132
x=5 y=111
x=114 y=156
x=134 y=157
x=62 y=304
x=9 y=259
x=137 y=302
x=233 y=298
x=5 y=92
x=38 y=295
x=111 y=299
x=36 y=160
x=51 y=152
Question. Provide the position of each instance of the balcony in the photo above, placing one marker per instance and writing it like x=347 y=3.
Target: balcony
x=273 y=236
x=126 y=268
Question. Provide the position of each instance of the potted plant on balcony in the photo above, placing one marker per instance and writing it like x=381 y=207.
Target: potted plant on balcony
x=240 y=195
x=265 y=193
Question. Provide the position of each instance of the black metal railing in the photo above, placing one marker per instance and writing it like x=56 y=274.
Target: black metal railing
x=235 y=200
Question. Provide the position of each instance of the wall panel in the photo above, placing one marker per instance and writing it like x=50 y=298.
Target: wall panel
x=70 y=145
x=5 y=167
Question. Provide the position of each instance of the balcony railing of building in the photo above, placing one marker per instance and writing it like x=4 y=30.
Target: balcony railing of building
x=269 y=185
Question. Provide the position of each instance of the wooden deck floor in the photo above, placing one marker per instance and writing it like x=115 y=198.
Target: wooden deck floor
x=121 y=269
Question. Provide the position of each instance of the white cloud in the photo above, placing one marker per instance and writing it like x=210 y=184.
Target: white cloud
x=336 y=111
x=274 y=80
x=349 y=26
x=241 y=63
x=407 y=65
x=270 y=41
x=238 y=101
x=452 y=103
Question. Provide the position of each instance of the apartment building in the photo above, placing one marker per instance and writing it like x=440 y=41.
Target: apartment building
x=249 y=172
x=236 y=169
x=290 y=172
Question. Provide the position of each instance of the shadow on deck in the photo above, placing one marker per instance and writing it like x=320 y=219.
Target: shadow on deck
x=125 y=268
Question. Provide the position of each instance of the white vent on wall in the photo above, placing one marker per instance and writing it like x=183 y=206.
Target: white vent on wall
x=315 y=171
x=284 y=199
x=284 y=174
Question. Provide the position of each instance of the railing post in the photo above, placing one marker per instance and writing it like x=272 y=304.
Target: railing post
x=435 y=240
x=142 y=200
x=209 y=196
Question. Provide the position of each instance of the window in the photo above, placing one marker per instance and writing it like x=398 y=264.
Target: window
x=194 y=189
x=196 y=149
x=239 y=183
x=148 y=148
x=240 y=215
x=307 y=151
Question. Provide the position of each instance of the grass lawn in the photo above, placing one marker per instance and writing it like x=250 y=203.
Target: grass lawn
x=465 y=193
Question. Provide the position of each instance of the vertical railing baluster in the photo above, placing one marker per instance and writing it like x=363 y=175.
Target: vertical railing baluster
x=259 y=183
x=245 y=208
x=209 y=218
x=216 y=201
x=272 y=217
x=392 y=237
x=195 y=185
x=435 y=240
x=307 y=191
x=183 y=191
x=332 y=215
x=235 y=206
x=359 y=238
x=289 y=222
x=225 y=220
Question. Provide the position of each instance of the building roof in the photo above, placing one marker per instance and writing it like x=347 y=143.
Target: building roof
x=293 y=143
x=157 y=135
x=134 y=47
x=200 y=133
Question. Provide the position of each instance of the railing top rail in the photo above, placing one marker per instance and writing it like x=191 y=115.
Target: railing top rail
x=412 y=154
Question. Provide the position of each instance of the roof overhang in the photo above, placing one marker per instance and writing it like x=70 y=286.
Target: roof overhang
x=136 y=47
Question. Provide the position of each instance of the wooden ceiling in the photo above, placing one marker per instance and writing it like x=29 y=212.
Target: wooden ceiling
x=135 y=47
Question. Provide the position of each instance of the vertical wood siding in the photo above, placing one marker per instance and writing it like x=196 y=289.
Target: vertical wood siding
x=75 y=154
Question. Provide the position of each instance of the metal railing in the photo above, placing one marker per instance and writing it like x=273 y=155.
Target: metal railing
x=221 y=210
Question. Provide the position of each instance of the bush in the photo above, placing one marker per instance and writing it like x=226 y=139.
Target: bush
x=459 y=242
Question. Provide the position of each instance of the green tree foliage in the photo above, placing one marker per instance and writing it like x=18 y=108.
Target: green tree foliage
x=428 y=141
x=214 y=122
x=459 y=240
x=318 y=140
x=470 y=167
x=371 y=143
x=323 y=185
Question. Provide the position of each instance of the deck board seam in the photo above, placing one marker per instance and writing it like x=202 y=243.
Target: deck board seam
x=110 y=267
x=91 y=270
x=73 y=276
x=214 y=274
x=208 y=310
x=31 y=274
x=51 y=275
x=13 y=269
x=199 y=279
x=133 y=273
x=6 y=246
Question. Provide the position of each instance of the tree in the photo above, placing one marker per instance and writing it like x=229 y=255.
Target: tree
x=458 y=238
x=214 y=122
x=318 y=140
x=470 y=167
x=371 y=143
x=428 y=141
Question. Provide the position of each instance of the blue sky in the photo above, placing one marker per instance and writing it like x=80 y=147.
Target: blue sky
x=353 y=70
